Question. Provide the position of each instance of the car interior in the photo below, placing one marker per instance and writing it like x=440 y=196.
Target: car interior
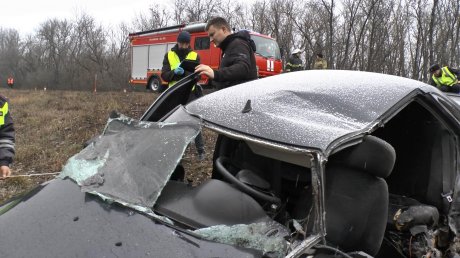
x=424 y=172
x=282 y=192
x=253 y=187
x=407 y=164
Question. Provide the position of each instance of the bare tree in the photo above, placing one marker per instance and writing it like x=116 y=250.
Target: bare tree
x=399 y=27
x=54 y=36
x=117 y=56
x=260 y=16
x=195 y=11
x=431 y=29
x=156 y=17
x=330 y=9
x=311 y=25
x=10 y=53
x=401 y=37
x=444 y=38
x=236 y=14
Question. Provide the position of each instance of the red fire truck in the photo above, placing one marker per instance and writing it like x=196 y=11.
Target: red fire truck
x=149 y=47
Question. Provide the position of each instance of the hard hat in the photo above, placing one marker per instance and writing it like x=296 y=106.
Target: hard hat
x=296 y=51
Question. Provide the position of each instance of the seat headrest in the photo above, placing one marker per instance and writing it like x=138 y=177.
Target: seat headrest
x=373 y=155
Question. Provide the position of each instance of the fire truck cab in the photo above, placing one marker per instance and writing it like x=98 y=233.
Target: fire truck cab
x=148 y=49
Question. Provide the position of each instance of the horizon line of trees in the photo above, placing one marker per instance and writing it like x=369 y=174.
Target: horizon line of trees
x=398 y=37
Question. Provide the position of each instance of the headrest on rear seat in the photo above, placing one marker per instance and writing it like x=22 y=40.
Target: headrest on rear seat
x=373 y=155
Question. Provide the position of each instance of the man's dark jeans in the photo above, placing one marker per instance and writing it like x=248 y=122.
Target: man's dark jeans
x=199 y=142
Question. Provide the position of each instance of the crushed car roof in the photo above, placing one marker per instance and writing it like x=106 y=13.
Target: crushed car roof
x=307 y=109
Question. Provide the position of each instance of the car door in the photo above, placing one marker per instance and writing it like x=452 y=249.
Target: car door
x=174 y=96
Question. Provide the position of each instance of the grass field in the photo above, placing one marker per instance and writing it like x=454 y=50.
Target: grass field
x=51 y=126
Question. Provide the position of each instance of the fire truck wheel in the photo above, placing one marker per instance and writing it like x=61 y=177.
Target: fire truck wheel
x=154 y=84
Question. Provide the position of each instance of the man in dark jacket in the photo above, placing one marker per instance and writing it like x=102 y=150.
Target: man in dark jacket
x=6 y=138
x=173 y=72
x=238 y=62
x=445 y=78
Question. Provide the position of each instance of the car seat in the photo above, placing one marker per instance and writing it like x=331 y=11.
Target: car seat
x=357 y=195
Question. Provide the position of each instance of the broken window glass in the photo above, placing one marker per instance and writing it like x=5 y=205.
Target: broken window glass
x=132 y=160
x=266 y=236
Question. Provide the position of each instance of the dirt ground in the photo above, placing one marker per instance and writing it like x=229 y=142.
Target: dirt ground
x=52 y=126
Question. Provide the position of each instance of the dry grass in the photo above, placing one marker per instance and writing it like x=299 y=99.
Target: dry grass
x=52 y=126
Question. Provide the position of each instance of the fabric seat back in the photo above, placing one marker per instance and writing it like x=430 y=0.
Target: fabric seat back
x=357 y=195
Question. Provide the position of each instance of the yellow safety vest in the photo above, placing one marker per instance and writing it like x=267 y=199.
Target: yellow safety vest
x=3 y=112
x=174 y=61
x=447 y=78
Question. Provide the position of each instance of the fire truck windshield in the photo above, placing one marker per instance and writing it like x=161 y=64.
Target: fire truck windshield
x=266 y=47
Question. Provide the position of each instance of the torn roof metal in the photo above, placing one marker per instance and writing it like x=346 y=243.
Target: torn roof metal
x=304 y=108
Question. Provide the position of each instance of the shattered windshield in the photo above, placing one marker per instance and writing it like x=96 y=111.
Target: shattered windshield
x=262 y=236
x=132 y=161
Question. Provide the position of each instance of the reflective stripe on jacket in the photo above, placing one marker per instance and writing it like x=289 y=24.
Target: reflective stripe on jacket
x=447 y=78
x=174 y=61
x=294 y=64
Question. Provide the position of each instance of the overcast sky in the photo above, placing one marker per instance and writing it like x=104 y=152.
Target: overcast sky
x=26 y=16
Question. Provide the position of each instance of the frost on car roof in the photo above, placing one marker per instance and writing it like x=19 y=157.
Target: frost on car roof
x=265 y=236
x=132 y=161
x=307 y=108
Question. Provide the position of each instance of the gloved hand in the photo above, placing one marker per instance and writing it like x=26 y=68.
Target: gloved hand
x=179 y=70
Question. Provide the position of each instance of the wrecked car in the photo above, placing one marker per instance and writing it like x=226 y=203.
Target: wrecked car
x=321 y=163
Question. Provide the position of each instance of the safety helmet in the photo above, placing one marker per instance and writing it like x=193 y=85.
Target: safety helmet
x=296 y=51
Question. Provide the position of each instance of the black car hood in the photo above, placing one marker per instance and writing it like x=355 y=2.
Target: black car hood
x=61 y=221
x=101 y=206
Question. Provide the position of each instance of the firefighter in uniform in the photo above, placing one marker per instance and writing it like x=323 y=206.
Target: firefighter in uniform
x=171 y=72
x=6 y=138
x=294 y=63
x=10 y=81
x=445 y=78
